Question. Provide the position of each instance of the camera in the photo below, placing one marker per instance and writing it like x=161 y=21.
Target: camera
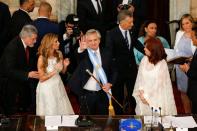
x=76 y=30
x=124 y=6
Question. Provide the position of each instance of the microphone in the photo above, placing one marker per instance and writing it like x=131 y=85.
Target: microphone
x=151 y=126
x=160 y=114
x=88 y=71
x=160 y=123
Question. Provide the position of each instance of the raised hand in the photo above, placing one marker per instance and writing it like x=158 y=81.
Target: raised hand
x=83 y=43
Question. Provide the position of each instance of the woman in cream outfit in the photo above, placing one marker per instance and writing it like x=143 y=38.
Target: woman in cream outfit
x=184 y=47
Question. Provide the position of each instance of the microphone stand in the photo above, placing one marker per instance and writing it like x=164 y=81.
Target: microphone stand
x=160 y=124
x=102 y=86
x=83 y=120
x=151 y=126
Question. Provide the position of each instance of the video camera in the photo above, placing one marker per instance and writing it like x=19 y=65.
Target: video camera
x=124 y=6
x=76 y=30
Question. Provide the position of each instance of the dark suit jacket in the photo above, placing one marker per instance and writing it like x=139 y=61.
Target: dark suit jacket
x=80 y=76
x=88 y=17
x=192 y=81
x=124 y=58
x=43 y=26
x=18 y=20
x=4 y=22
x=13 y=65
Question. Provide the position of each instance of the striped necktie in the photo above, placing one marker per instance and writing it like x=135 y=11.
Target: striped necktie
x=126 y=39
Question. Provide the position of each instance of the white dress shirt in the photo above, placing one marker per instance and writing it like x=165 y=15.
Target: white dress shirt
x=95 y=5
x=91 y=83
x=128 y=35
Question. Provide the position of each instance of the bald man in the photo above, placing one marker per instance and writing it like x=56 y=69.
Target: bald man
x=43 y=23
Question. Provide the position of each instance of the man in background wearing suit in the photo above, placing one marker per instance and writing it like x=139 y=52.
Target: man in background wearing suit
x=4 y=22
x=82 y=84
x=69 y=35
x=43 y=24
x=191 y=71
x=137 y=7
x=120 y=43
x=15 y=72
x=21 y=17
x=92 y=15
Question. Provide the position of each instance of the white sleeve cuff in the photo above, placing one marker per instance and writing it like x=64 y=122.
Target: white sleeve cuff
x=79 y=50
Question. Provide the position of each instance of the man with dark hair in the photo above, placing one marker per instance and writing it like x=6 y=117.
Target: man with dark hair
x=120 y=43
x=21 y=17
x=69 y=41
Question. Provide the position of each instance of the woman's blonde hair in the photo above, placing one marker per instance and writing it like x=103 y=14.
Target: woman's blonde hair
x=186 y=16
x=45 y=48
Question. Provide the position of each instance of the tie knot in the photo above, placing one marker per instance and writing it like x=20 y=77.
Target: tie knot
x=95 y=53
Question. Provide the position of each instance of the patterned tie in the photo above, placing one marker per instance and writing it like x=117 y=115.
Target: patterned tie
x=98 y=7
x=126 y=40
x=27 y=54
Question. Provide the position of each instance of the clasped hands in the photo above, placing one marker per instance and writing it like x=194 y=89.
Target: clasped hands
x=62 y=64
x=142 y=98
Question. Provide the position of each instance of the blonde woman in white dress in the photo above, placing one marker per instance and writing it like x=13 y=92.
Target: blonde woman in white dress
x=153 y=86
x=51 y=96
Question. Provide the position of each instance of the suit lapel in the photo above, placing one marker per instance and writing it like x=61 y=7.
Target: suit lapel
x=22 y=51
x=122 y=40
x=91 y=7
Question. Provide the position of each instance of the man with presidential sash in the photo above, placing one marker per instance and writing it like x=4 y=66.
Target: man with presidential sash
x=99 y=63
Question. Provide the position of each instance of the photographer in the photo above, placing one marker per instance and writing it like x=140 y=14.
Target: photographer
x=69 y=36
x=128 y=7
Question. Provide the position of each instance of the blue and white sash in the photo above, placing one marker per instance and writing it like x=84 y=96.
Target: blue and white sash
x=98 y=68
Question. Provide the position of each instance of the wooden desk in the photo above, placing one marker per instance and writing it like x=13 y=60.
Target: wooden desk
x=36 y=123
